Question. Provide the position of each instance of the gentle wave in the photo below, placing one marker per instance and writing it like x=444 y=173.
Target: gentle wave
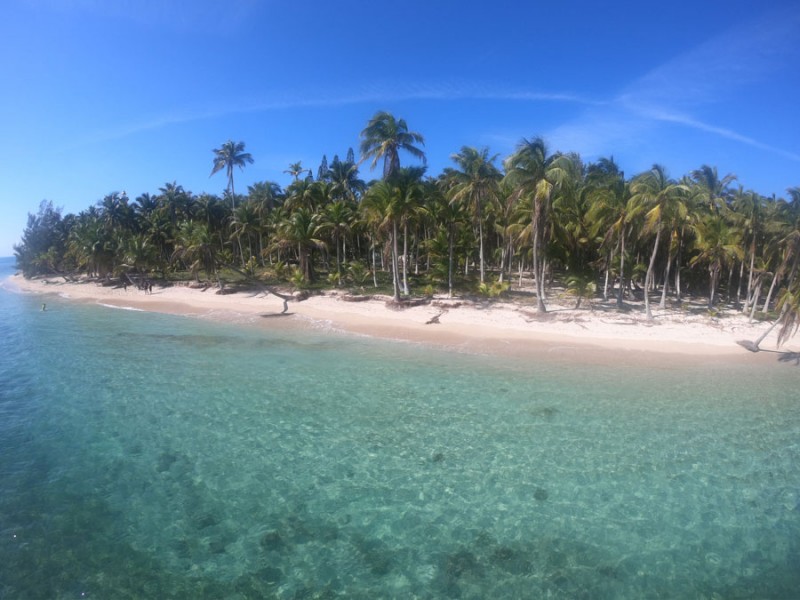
x=122 y=307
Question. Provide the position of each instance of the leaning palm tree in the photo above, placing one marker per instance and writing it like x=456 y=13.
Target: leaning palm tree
x=476 y=183
x=230 y=154
x=384 y=137
x=788 y=319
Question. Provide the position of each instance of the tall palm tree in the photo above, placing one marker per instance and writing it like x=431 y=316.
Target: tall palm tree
x=301 y=230
x=609 y=214
x=660 y=197
x=379 y=208
x=477 y=183
x=230 y=154
x=337 y=218
x=534 y=174
x=384 y=137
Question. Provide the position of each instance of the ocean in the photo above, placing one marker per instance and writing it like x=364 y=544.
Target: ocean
x=155 y=456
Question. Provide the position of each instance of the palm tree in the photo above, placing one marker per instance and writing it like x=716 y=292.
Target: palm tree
x=477 y=183
x=790 y=242
x=380 y=211
x=338 y=219
x=660 y=197
x=534 y=174
x=195 y=247
x=384 y=137
x=301 y=231
x=296 y=169
x=344 y=180
x=713 y=190
x=718 y=244
x=230 y=154
x=609 y=214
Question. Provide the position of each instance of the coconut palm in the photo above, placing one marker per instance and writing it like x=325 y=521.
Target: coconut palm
x=714 y=192
x=609 y=215
x=718 y=245
x=344 y=180
x=194 y=246
x=789 y=235
x=301 y=231
x=296 y=169
x=381 y=212
x=476 y=183
x=230 y=154
x=384 y=137
x=661 y=199
x=337 y=218
x=533 y=174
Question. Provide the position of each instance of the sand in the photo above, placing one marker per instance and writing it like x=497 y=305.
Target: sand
x=593 y=333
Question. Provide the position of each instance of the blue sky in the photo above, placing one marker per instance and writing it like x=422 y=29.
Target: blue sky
x=103 y=96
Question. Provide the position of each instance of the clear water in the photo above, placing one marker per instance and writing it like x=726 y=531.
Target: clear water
x=151 y=456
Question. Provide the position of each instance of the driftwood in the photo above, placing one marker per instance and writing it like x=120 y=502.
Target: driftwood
x=265 y=288
x=434 y=320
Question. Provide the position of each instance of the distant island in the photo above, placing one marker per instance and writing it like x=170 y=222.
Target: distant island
x=539 y=225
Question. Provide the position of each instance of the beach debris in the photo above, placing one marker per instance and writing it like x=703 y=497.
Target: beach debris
x=434 y=320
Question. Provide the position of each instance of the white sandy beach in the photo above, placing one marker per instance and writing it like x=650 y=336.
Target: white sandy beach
x=597 y=333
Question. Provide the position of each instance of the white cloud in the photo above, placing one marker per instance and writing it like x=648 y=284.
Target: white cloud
x=702 y=77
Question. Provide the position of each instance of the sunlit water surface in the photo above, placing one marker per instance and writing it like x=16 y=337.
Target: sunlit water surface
x=153 y=456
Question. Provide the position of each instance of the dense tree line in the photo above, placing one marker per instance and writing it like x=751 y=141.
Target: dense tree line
x=480 y=225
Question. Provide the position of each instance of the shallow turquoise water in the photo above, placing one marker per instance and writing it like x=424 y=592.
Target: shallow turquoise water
x=150 y=456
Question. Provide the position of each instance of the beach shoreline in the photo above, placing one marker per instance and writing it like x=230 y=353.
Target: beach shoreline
x=596 y=334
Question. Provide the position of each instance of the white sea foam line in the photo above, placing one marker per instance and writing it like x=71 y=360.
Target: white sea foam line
x=121 y=307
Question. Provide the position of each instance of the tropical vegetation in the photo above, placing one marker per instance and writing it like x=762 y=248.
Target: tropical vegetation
x=537 y=223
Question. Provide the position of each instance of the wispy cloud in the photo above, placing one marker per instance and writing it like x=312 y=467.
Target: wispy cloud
x=370 y=93
x=691 y=84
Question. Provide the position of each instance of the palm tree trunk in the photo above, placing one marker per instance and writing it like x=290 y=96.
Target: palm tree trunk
x=678 y=256
x=395 y=273
x=665 y=288
x=739 y=289
x=608 y=275
x=451 y=244
x=374 y=267
x=338 y=260
x=538 y=263
x=480 y=235
x=754 y=299
x=713 y=291
x=621 y=291
x=649 y=277
x=405 y=259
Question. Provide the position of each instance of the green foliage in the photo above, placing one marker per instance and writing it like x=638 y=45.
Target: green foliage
x=297 y=279
x=493 y=289
x=43 y=242
x=581 y=286
x=358 y=273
